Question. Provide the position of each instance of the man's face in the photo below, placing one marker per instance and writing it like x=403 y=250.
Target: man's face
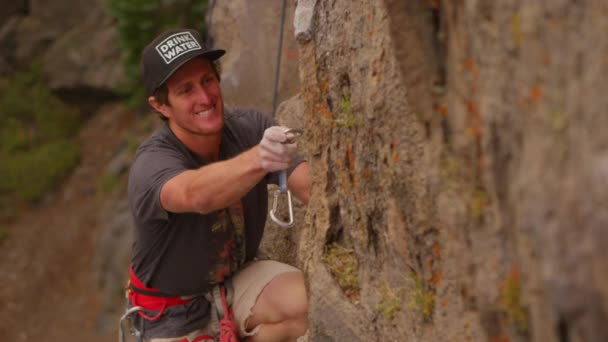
x=196 y=105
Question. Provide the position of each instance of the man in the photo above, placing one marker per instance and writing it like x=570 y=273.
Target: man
x=197 y=191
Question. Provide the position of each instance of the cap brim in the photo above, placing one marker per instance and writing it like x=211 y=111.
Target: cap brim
x=211 y=55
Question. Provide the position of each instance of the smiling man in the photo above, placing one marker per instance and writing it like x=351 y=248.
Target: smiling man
x=198 y=195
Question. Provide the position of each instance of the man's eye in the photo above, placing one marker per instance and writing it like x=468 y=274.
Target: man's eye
x=184 y=90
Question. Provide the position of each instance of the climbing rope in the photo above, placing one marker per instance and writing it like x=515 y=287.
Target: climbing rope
x=277 y=70
x=228 y=329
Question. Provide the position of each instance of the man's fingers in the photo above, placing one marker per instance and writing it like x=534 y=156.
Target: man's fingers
x=276 y=134
x=280 y=149
x=274 y=151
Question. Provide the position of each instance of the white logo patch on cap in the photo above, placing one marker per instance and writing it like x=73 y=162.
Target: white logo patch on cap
x=176 y=45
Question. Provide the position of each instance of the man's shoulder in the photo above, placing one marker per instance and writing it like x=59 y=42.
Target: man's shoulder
x=160 y=138
x=244 y=114
x=244 y=127
x=157 y=156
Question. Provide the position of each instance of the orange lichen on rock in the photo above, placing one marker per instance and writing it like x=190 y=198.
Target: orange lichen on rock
x=536 y=94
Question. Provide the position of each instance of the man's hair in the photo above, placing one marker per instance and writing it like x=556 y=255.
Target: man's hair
x=161 y=94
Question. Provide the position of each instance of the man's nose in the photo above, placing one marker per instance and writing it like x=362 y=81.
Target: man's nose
x=203 y=95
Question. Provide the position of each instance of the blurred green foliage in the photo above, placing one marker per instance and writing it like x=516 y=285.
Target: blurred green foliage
x=36 y=137
x=139 y=21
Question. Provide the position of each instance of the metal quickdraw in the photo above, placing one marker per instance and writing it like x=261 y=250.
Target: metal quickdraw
x=292 y=134
x=133 y=330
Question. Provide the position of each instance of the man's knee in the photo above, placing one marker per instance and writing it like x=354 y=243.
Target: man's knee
x=298 y=327
x=296 y=302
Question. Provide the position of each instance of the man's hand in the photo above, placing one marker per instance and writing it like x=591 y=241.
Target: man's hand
x=275 y=154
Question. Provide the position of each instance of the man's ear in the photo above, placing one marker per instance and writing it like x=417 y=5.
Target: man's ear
x=159 y=107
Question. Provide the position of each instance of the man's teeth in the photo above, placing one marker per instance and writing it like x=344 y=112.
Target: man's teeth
x=205 y=112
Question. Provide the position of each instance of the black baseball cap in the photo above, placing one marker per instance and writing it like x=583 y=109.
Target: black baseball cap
x=169 y=51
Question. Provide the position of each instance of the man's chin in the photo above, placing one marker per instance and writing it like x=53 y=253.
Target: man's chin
x=212 y=129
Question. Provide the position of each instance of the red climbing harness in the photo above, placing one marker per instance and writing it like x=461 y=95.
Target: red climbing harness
x=152 y=299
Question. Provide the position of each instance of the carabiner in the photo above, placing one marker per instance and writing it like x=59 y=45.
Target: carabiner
x=274 y=217
x=292 y=134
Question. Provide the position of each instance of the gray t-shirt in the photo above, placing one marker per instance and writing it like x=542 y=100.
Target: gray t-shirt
x=183 y=254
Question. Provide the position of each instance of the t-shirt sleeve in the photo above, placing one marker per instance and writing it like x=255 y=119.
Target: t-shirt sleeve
x=149 y=172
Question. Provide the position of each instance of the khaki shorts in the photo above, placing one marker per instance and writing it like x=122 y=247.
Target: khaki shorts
x=248 y=283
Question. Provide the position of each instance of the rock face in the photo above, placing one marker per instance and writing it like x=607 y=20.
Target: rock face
x=459 y=163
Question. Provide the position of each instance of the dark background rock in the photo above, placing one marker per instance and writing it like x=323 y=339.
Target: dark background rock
x=75 y=42
x=249 y=32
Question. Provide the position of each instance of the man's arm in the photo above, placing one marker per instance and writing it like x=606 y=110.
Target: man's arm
x=299 y=182
x=213 y=186
x=218 y=185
